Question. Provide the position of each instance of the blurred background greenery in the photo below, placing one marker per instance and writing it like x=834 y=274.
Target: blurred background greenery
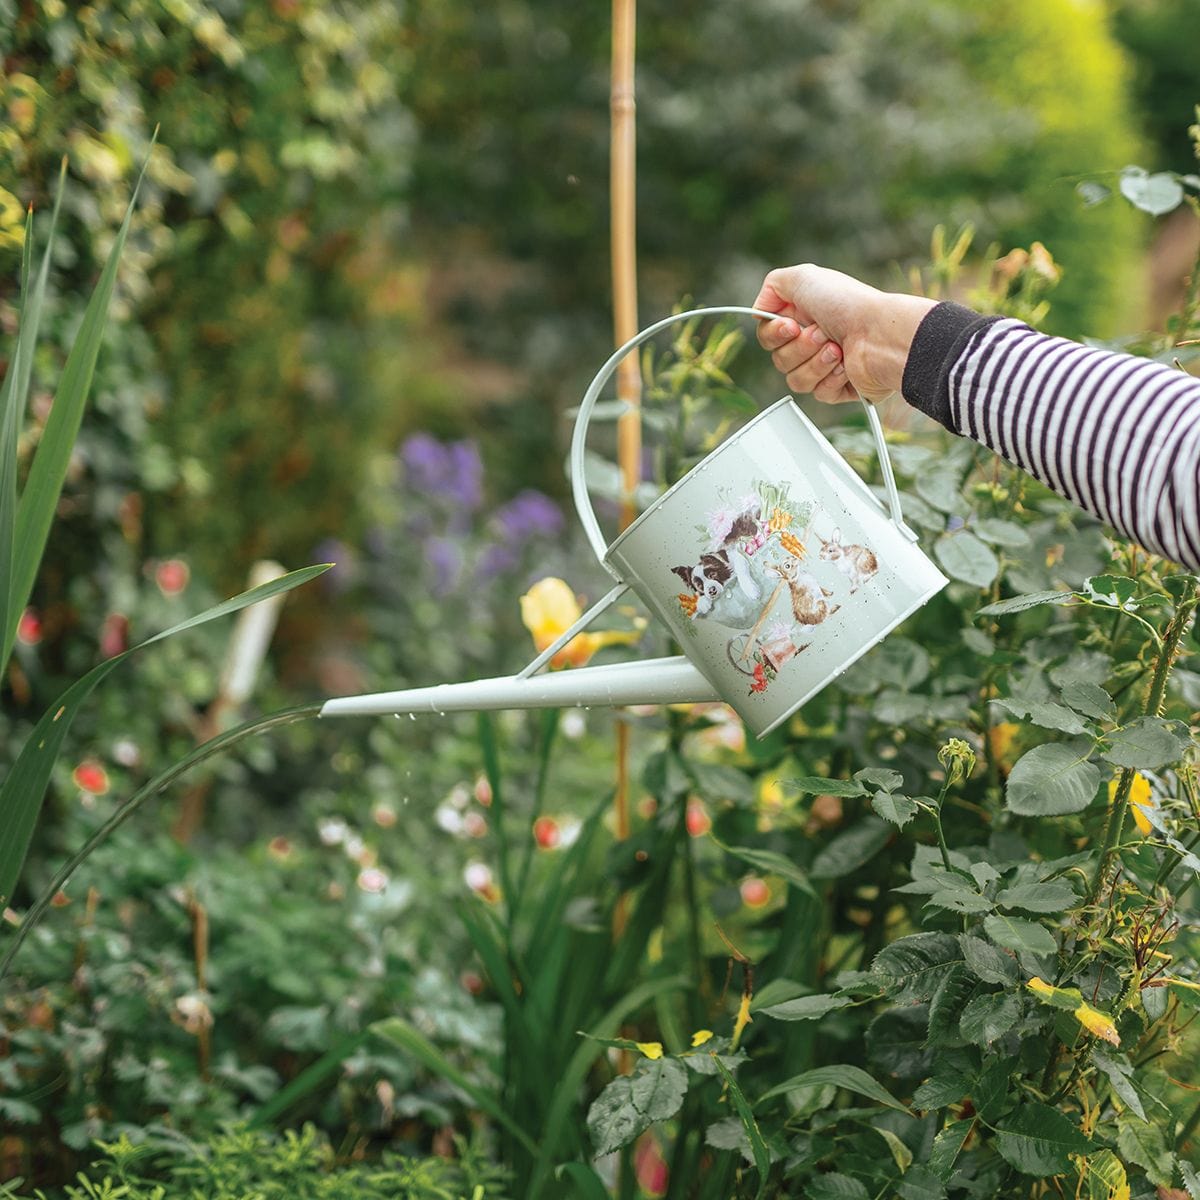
x=368 y=222
x=364 y=218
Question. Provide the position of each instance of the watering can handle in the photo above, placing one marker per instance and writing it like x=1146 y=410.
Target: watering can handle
x=583 y=503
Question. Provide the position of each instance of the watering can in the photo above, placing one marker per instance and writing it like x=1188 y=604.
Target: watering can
x=771 y=563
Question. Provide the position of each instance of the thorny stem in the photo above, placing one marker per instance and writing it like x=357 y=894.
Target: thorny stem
x=1154 y=704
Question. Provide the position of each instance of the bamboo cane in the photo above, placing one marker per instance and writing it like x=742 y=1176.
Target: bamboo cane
x=623 y=234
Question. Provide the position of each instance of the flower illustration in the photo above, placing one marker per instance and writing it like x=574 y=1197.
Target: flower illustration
x=720 y=523
x=778 y=631
x=687 y=601
x=760 y=678
x=549 y=609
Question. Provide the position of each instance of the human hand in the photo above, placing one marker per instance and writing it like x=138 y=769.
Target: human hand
x=836 y=337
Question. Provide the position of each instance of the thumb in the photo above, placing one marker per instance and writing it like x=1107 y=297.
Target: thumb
x=769 y=300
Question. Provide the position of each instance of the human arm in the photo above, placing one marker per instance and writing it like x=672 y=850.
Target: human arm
x=1117 y=435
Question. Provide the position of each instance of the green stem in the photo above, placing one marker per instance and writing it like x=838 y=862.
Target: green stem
x=1188 y=1129
x=1169 y=865
x=937 y=825
x=1169 y=646
x=549 y=728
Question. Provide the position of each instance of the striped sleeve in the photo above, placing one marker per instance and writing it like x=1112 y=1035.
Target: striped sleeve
x=1118 y=435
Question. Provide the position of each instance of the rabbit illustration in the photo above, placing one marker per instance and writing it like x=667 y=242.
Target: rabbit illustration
x=810 y=603
x=857 y=563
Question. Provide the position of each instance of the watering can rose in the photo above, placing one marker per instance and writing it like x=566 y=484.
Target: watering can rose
x=549 y=609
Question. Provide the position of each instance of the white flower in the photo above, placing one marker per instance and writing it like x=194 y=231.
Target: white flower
x=477 y=876
x=332 y=830
x=448 y=818
x=372 y=879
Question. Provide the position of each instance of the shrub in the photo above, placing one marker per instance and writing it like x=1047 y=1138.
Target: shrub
x=241 y=1163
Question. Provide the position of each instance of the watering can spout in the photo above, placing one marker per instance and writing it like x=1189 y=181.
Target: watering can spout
x=652 y=681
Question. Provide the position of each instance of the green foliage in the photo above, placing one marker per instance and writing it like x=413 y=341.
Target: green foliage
x=974 y=863
x=259 y=286
x=1158 y=36
x=239 y=1163
x=1052 y=72
x=837 y=133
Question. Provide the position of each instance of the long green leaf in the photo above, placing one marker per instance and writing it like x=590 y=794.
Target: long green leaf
x=853 y=1079
x=758 y=1146
x=486 y=728
x=25 y=785
x=12 y=411
x=308 y=1080
x=39 y=500
x=586 y=1183
x=12 y=407
x=407 y=1038
x=216 y=745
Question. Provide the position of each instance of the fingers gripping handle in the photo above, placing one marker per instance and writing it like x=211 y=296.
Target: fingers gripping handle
x=579 y=490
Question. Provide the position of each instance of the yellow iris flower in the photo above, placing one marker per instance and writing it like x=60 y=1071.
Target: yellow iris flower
x=1139 y=800
x=549 y=609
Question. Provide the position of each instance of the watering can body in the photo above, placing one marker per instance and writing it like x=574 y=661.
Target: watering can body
x=771 y=563
x=774 y=566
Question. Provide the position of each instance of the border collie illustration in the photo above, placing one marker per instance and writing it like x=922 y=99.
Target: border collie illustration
x=706 y=579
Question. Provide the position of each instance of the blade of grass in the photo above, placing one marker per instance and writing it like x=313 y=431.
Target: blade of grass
x=400 y=1033
x=158 y=784
x=25 y=785
x=549 y=727
x=629 y=951
x=308 y=1080
x=758 y=1146
x=489 y=946
x=548 y=916
x=12 y=407
x=491 y=768
x=585 y=1182
x=39 y=500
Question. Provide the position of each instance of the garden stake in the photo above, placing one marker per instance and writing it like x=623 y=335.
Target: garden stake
x=623 y=236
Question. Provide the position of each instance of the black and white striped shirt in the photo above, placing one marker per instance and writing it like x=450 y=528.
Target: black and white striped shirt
x=1118 y=435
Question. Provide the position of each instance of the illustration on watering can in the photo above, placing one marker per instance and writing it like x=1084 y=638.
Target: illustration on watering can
x=752 y=549
x=770 y=562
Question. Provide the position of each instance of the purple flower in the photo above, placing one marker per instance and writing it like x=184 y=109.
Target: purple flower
x=495 y=560
x=452 y=470
x=424 y=458
x=445 y=560
x=530 y=514
x=466 y=474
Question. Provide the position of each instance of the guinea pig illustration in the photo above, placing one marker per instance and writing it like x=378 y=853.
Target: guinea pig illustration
x=857 y=563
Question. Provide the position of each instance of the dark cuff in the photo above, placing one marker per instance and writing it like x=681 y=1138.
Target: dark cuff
x=939 y=341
